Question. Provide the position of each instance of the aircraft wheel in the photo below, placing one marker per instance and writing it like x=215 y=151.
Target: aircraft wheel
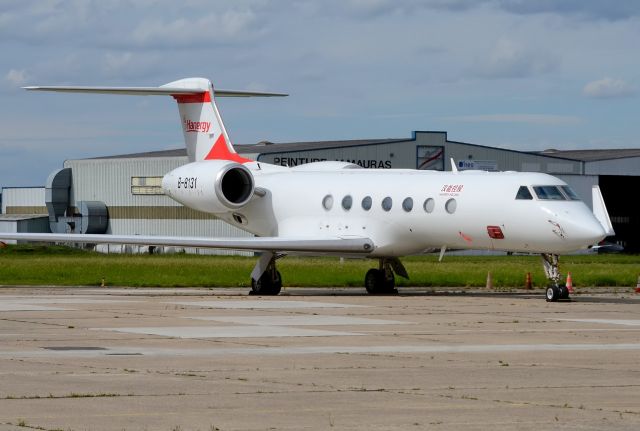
x=376 y=283
x=373 y=280
x=552 y=294
x=564 y=292
x=268 y=284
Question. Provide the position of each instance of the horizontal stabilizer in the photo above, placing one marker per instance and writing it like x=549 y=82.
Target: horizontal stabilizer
x=302 y=244
x=151 y=91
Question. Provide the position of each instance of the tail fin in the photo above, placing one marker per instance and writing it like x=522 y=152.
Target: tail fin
x=204 y=133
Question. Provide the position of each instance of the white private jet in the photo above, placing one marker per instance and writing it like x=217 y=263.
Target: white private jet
x=337 y=208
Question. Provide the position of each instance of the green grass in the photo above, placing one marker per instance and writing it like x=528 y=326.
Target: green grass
x=38 y=265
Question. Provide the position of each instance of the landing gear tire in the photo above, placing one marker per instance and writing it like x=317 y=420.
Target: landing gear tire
x=553 y=293
x=269 y=284
x=377 y=283
x=564 y=292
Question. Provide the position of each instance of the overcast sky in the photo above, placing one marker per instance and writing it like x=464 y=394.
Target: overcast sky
x=525 y=75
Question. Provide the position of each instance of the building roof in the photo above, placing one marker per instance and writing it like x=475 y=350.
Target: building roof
x=162 y=153
x=593 y=155
x=261 y=147
x=268 y=147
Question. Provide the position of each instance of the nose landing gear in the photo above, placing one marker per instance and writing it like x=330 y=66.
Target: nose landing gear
x=555 y=290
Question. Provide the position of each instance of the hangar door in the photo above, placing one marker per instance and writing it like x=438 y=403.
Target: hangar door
x=620 y=196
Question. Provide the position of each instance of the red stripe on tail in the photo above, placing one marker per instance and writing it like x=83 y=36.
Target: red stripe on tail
x=193 y=98
x=221 y=152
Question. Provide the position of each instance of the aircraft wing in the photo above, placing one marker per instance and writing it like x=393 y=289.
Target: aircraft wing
x=357 y=245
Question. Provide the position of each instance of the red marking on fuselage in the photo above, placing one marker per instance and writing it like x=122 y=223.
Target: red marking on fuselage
x=219 y=151
x=465 y=236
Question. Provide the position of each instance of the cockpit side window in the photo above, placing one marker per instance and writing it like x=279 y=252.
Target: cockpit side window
x=524 y=193
x=549 y=193
x=570 y=193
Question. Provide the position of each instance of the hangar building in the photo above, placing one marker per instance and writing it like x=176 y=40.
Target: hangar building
x=122 y=194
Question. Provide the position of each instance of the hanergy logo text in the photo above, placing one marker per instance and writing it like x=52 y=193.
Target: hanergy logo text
x=197 y=126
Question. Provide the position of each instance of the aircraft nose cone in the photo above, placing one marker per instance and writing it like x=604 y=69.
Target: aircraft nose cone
x=587 y=230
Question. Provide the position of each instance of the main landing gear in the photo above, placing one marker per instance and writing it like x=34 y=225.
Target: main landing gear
x=555 y=289
x=381 y=281
x=266 y=279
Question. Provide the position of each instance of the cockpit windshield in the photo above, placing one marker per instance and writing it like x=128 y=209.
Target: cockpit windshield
x=570 y=193
x=524 y=193
x=549 y=193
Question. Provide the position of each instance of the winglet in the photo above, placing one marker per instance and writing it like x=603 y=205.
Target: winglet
x=454 y=168
x=600 y=211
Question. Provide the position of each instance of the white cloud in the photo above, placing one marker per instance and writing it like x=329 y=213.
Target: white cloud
x=212 y=29
x=607 y=88
x=541 y=119
x=16 y=78
x=509 y=59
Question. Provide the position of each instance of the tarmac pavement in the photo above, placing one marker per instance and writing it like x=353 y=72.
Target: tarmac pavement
x=207 y=359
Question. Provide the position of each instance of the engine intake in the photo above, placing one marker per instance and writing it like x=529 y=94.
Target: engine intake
x=234 y=185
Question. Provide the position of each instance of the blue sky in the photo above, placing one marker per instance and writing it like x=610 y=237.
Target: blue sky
x=526 y=75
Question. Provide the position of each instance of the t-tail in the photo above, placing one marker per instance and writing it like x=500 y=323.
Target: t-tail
x=204 y=133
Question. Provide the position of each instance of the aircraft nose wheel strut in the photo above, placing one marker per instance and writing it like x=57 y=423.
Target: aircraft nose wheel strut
x=555 y=289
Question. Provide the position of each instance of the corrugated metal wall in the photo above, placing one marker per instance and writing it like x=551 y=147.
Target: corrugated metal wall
x=403 y=155
x=23 y=200
x=628 y=166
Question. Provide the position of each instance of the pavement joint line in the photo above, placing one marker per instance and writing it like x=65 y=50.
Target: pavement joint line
x=485 y=348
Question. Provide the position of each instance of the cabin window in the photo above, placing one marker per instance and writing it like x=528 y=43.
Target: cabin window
x=366 y=203
x=429 y=205
x=451 y=206
x=347 y=201
x=407 y=204
x=387 y=203
x=327 y=202
x=570 y=193
x=524 y=193
x=549 y=193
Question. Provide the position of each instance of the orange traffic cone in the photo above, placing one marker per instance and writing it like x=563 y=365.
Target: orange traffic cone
x=527 y=282
x=569 y=283
x=638 y=285
x=489 y=281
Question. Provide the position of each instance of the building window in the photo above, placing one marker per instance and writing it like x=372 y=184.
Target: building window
x=146 y=186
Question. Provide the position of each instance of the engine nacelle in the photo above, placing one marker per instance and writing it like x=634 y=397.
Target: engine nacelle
x=213 y=186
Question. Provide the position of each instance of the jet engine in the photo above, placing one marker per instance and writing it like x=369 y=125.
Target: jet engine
x=213 y=186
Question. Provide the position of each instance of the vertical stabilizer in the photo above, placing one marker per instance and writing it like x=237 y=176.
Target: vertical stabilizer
x=204 y=133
